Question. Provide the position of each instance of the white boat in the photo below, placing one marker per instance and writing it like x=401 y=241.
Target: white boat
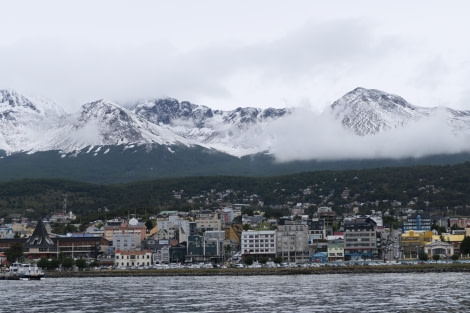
x=25 y=271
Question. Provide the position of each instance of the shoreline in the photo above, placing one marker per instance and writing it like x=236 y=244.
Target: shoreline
x=421 y=268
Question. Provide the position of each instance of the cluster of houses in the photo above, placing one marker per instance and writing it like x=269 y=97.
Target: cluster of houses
x=225 y=235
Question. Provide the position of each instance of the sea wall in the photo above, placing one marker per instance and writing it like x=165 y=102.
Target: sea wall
x=424 y=268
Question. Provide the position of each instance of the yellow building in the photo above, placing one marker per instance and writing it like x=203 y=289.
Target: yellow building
x=412 y=242
x=455 y=240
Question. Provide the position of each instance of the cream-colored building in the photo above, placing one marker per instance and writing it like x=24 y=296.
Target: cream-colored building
x=208 y=220
x=443 y=249
x=133 y=258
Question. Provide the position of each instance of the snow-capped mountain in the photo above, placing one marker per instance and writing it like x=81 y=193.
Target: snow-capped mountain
x=24 y=120
x=32 y=125
x=104 y=123
x=220 y=130
x=371 y=111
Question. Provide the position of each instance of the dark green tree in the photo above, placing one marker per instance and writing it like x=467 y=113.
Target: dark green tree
x=81 y=263
x=465 y=245
x=149 y=225
x=248 y=260
x=54 y=264
x=263 y=260
x=15 y=252
x=455 y=257
x=423 y=256
x=68 y=263
x=436 y=257
x=278 y=260
x=43 y=263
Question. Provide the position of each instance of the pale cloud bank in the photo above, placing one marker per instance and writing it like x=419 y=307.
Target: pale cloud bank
x=305 y=135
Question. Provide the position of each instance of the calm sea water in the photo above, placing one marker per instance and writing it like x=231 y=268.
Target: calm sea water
x=429 y=292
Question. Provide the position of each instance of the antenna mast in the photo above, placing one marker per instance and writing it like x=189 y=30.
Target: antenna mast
x=65 y=204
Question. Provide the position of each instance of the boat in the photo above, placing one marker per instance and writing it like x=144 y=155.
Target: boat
x=31 y=272
x=24 y=271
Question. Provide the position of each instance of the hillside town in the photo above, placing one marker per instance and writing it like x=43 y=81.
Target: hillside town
x=226 y=237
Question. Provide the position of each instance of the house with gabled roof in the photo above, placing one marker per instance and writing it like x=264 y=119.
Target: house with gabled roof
x=39 y=244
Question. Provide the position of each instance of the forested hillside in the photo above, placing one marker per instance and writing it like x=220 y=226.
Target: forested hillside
x=434 y=188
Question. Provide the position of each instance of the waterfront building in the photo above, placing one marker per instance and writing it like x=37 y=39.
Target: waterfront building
x=258 y=243
x=413 y=241
x=360 y=239
x=292 y=241
x=335 y=250
x=443 y=249
x=454 y=239
x=133 y=258
x=202 y=248
x=39 y=244
x=81 y=246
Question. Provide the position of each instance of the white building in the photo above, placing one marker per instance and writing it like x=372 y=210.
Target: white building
x=133 y=258
x=174 y=224
x=259 y=243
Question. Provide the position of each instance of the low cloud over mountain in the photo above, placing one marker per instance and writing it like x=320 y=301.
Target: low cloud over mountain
x=363 y=124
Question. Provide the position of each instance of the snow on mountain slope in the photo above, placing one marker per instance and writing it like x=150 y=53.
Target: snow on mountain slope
x=370 y=111
x=24 y=120
x=105 y=123
x=32 y=124
x=221 y=130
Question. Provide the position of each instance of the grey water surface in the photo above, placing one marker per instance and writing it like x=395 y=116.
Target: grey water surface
x=411 y=292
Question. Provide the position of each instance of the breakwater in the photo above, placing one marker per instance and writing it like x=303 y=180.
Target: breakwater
x=421 y=268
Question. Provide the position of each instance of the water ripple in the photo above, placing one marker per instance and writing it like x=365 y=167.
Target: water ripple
x=398 y=293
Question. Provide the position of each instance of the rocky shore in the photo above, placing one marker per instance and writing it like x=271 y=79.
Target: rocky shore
x=422 y=268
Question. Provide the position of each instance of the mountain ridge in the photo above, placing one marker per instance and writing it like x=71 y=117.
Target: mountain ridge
x=30 y=125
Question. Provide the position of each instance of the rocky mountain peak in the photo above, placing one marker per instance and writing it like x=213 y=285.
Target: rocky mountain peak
x=11 y=100
x=370 y=111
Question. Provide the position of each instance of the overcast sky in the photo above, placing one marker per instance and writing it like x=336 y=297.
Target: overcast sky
x=226 y=54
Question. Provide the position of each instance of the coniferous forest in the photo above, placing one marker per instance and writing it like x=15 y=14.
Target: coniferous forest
x=437 y=189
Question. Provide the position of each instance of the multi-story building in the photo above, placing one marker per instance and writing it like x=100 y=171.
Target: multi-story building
x=292 y=241
x=417 y=222
x=360 y=239
x=329 y=218
x=126 y=242
x=131 y=227
x=227 y=215
x=208 y=220
x=316 y=230
x=335 y=250
x=258 y=243
x=412 y=242
x=176 y=227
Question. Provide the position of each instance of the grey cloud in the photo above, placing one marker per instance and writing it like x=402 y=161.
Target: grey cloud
x=306 y=136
